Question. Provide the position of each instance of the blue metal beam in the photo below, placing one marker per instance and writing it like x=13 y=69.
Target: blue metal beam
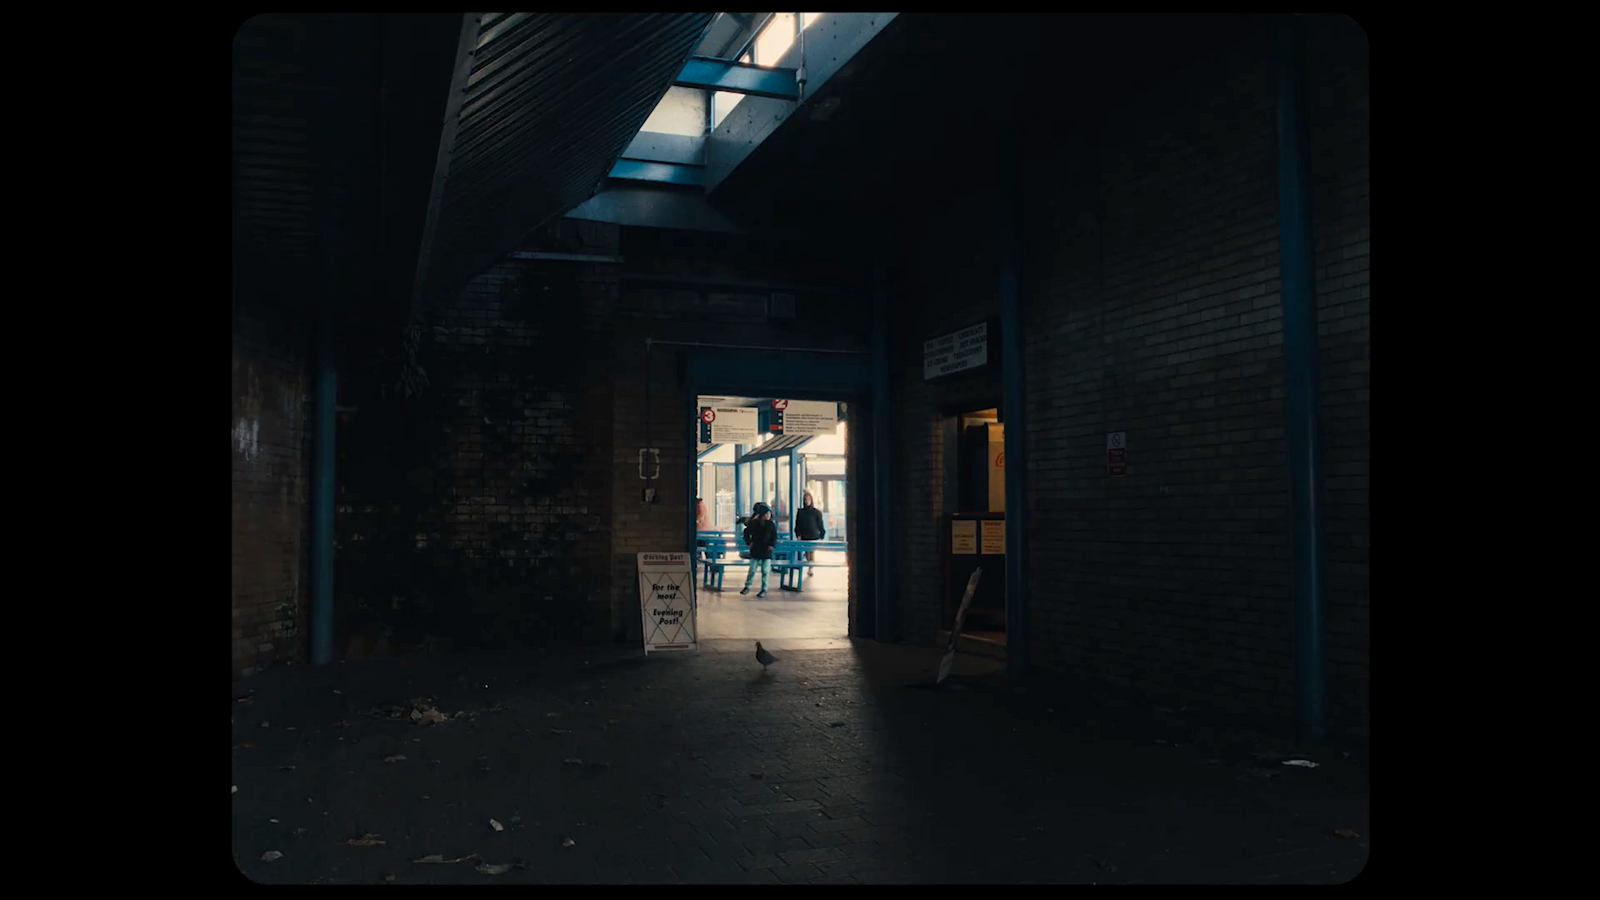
x=1298 y=292
x=739 y=78
x=659 y=172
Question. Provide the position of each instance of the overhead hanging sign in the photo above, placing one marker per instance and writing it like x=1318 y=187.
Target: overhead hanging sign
x=805 y=418
x=729 y=424
x=666 y=601
x=957 y=352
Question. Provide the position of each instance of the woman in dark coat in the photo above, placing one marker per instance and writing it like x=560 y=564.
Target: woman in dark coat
x=760 y=535
x=808 y=524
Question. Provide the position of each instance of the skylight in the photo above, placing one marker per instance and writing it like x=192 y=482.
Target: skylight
x=775 y=39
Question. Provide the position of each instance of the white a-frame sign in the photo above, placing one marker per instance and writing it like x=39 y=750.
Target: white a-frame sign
x=666 y=601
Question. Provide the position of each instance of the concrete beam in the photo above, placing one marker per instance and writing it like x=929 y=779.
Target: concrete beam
x=683 y=111
x=653 y=146
x=831 y=42
x=647 y=206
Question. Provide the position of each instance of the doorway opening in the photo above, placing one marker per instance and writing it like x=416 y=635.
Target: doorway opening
x=790 y=456
x=975 y=528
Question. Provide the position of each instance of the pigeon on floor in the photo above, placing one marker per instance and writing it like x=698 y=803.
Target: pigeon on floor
x=763 y=657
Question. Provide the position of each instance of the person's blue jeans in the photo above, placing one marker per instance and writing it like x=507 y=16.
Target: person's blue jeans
x=764 y=566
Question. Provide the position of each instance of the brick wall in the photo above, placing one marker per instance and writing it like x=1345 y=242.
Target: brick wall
x=1161 y=319
x=270 y=457
x=1151 y=307
x=833 y=319
x=477 y=513
x=950 y=283
x=505 y=504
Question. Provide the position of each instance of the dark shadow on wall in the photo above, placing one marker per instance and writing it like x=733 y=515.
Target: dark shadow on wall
x=466 y=512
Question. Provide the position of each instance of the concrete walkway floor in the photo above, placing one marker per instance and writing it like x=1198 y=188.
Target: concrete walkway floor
x=604 y=767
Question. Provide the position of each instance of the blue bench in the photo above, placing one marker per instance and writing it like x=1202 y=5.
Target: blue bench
x=716 y=555
x=791 y=566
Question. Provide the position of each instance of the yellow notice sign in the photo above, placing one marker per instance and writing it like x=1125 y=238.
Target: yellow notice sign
x=994 y=537
x=963 y=537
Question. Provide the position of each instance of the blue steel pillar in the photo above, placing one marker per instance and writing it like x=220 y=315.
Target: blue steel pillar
x=1014 y=394
x=883 y=604
x=1299 y=297
x=794 y=498
x=322 y=494
x=341 y=143
x=739 y=507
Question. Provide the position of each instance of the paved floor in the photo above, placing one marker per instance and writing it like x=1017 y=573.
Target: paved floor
x=821 y=611
x=605 y=767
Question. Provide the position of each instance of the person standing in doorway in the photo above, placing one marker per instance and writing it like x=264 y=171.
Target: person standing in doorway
x=808 y=524
x=760 y=535
x=700 y=521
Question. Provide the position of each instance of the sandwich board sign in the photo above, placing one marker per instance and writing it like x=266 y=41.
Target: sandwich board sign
x=666 y=601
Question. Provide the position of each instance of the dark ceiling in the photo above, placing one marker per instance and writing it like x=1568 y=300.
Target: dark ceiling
x=930 y=107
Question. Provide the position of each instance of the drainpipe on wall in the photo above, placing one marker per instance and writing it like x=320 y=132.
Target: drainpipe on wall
x=322 y=494
x=339 y=142
x=1298 y=293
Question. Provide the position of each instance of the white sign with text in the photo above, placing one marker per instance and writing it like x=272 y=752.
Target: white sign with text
x=734 y=424
x=810 y=417
x=958 y=352
x=666 y=601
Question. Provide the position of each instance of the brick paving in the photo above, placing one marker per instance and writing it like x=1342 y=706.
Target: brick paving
x=700 y=769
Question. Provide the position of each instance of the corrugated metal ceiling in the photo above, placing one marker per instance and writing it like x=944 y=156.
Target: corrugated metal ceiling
x=551 y=100
x=273 y=166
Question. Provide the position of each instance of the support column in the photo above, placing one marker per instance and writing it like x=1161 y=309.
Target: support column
x=1297 y=269
x=794 y=497
x=739 y=506
x=322 y=494
x=1013 y=390
x=340 y=143
x=882 y=480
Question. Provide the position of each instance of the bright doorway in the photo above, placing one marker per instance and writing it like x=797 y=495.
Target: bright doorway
x=790 y=456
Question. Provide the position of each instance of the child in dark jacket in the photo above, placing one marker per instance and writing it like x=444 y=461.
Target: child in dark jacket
x=760 y=535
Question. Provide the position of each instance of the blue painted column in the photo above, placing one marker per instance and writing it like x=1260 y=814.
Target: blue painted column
x=325 y=407
x=794 y=497
x=883 y=560
x=1014 y=393
x=1297 y=268
x=739 y=507
x=341 y=143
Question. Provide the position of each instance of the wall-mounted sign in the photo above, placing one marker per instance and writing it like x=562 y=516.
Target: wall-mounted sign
x=994 y=537
x=666 y=601
x=963 y=537
x=729 y=424
x=958 y=352
x=806 y=417
x=1117 y=453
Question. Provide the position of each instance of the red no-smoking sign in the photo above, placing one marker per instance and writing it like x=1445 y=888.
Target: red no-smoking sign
x=1117 y=454
x=708 y=415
